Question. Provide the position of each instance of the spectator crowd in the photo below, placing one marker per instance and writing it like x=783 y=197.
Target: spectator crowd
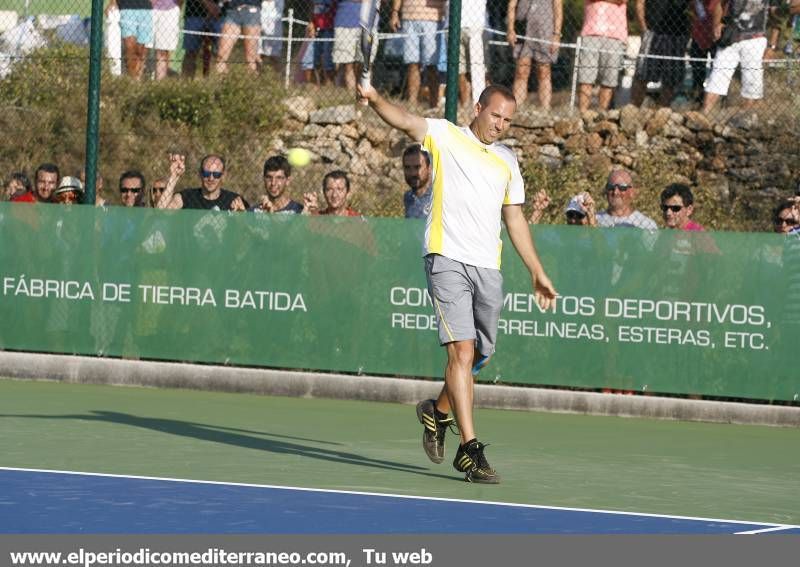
x=621 y=190
x=730 y=34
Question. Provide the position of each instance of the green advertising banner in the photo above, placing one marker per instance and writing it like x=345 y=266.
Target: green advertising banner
x=712 y=314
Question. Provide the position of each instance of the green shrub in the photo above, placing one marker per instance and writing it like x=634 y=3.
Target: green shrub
x=47 y=77
x=43 y=107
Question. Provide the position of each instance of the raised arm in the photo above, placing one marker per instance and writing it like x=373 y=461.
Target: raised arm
x=169 y=199
x=520 y=234
x=395 y=116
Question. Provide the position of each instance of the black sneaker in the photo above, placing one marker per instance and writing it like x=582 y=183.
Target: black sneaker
x=433 y=434
x=471 y=460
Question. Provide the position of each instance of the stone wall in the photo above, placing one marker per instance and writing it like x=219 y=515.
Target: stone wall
x=754 y=159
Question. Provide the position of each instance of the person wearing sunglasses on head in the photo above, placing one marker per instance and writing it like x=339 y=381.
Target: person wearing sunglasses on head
x=210 y=195
x=621 y=193
x=131 y=188
x=677 y=206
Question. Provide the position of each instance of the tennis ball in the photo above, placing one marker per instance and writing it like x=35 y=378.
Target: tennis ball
x=298 y=157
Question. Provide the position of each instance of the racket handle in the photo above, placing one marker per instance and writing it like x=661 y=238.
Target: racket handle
x=365 y=82
x=366 y=78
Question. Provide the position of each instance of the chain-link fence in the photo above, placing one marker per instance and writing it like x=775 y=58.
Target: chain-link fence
x=249 y=79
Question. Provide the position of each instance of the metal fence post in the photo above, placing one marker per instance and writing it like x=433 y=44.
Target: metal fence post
x=574 y=75
x=93 y=100
x=289 y=49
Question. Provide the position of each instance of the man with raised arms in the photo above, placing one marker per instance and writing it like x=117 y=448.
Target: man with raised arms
x=476 y=181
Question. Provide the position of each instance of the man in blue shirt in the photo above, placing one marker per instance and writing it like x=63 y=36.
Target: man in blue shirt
x=417 y=171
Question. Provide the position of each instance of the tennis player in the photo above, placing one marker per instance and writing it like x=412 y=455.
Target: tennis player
x=476 y=181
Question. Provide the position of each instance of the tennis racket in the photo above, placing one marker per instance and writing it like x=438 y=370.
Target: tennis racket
x=370 y=15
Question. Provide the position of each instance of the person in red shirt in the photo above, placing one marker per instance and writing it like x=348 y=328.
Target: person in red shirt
x=336 y=189
x=45 y=182
x=677 y=206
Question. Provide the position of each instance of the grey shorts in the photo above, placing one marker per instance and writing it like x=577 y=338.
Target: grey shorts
x=600 y=61
x=527 y=49
x=467 y=301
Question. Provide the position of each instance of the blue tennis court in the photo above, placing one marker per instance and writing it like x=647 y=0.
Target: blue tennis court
x=35 y=501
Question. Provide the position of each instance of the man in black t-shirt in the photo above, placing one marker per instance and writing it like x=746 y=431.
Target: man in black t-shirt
x=210 y=195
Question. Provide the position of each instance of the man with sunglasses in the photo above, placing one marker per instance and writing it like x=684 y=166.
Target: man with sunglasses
x=620 y=193
x=210 y=195
x=131 y=188
x=677 y=206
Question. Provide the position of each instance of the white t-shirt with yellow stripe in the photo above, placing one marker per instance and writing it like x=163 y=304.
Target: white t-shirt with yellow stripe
x=471 y=183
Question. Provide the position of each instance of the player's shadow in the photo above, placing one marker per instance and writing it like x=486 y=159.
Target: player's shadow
x=280 y=444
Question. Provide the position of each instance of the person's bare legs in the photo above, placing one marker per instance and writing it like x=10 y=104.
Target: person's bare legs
x=227 y=40
x=665 y=96
x=461 y=358
x=709 y=102
x=543 y=76
x=251 y=47
x=349 y=72
x=413 y=82
x=521 y=74
x=162 y=64
x=134 y=54
x=638 y=92
x=584 y=96
x=433 y=85
x=189 y=65
x=604 y=97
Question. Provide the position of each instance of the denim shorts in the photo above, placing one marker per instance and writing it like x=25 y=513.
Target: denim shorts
x=138 y=24
x=244 y=17
x=319 y=53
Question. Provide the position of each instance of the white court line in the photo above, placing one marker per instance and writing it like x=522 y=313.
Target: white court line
x=766 y=530
x=768 y=525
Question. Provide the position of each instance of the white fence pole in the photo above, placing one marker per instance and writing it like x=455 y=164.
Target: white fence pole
x=575 y=75
x=289 y=43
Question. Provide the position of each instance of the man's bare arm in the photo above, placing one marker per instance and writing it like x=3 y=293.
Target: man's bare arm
x=520 y=233
x=177 y=166
x=395 y=116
